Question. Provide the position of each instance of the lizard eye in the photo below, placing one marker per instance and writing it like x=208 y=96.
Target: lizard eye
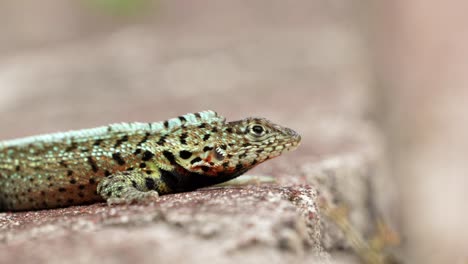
x=257 y=130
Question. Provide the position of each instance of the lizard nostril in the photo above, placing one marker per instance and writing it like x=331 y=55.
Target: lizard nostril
x=298 y=137
x=293 y=134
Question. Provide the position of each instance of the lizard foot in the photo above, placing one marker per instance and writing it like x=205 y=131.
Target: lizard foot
x=126 y=188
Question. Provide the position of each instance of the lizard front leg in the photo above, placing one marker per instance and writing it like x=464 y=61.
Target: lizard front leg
x=128 y=187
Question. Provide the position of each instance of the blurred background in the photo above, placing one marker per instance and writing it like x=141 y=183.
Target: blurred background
x=322 y=67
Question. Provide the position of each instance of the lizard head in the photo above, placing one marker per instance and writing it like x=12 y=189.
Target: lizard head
x=254 y=140
x=238 y=146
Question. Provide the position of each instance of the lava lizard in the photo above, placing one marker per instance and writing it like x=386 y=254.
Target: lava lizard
x=131 y=162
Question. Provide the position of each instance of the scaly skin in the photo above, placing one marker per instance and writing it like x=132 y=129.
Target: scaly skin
x=124 y=163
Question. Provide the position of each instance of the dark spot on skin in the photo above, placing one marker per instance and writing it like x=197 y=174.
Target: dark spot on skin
x=239 y=167
x=93 y=164
x=183 y=138
x=185 y=154
x=195 y=160
x=107 y=173
x=149 y=182
x=169 y=156
x=61 y=189
x=92 y=181
x=49 y=178
x=204 y=168
x=162 y=140
x=147 y=155
x=144 y=139
x=69 y=173
x=205 y=149
x=119 y=188
x=73 y=146
x=118 y=159
x=97 y=142
x=31 y=179
x=182 y=119
x=137 y=151
x=166 y=124
x=72 y=181
x=206 y=137
x=149 y=172
x=120 y=141
x=142 y=165
x=134 y=184
x=81 y=186
x=229 y=130
x=214 y=130
x=202 y=125
x=63 y=164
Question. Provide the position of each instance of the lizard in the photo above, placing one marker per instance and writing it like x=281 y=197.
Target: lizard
x=134 y=162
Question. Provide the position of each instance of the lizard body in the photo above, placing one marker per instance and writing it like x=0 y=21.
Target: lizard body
x=129 y=162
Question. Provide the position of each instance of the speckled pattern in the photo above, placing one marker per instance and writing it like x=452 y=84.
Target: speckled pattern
x=136 y=161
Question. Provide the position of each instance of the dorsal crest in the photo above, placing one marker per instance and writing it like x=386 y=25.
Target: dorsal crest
x=191 y=119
